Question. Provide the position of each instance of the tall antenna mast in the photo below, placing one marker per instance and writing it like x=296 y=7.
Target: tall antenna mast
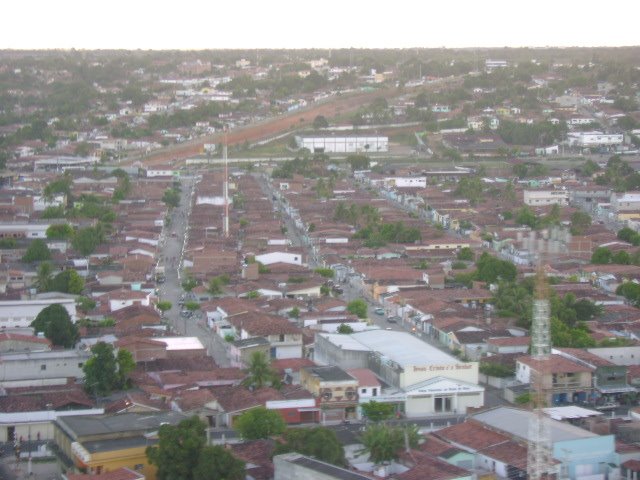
x=539 y=459
x=226 y=185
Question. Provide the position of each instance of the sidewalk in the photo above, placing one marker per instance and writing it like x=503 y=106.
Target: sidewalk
x=9 y=470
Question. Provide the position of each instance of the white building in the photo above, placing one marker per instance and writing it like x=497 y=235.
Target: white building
x=594 y=139
x=625 y=202
x=427 y=380
x=279 y=257
x=20 y=313
x=41 y=368
x=24 y=230
x=536 y=198
x=344 y=144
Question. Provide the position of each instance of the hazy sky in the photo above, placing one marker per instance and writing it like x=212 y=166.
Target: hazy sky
x=199 y=24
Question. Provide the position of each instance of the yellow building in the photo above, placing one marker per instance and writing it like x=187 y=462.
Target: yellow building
x=103 y=443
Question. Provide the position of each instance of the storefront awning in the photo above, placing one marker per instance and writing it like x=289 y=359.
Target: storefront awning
x=621 y=389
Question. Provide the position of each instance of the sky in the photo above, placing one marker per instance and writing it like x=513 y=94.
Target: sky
x=242 y=24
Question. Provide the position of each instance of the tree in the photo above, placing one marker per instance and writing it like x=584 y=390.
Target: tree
x=384 y=442
x=465 y=254
x=358 y=162
x=317 y=442
x=189 y=283
x=259 y=372
x=376 y=411
x=59 y=231
x=178 y=451
x=54 y=321
x=105 y=371
x=260 y=423
x=345 y=328
x=621 y=257
x=67 y=281
x=358 y=307
x=86 y=240
x=217 y=463
x=45 y=271
x=171 y=197
x=85 y=304
x=490 y=269
x=126 y=365
x=629 y=235
x=526 y=216
x=580 y=222
x=470 y=188
x=320 y=122
x=164 y=306
x=36 y=252
x=192 y=306
x=294 y=313
x=601 y=256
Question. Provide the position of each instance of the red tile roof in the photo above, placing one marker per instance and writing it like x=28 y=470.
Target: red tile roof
x=365 y=377
x=471 y=434
x=119 y=474
x=554 y=364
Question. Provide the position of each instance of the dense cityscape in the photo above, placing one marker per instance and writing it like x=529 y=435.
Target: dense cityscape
x=320 y=264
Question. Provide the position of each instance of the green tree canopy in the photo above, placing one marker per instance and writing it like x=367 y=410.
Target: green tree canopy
x=465 y=254
x=384 y=442
x=345 y=328
x=318 y=442
x=60 y=231
x=107 y=371
x=260 y=423
x=259 y=372
x=601 y=256
x=217 y=463
x=86 y=240
x=358 y=307
x=54 y=321
x=67 y=281
x=358 y=162
x=377 y=411
x=490 y=269
x=164 y=306
x=37 y=251
x=320 y=122
x=171 y=197
x=178 y=451
x=470 y=188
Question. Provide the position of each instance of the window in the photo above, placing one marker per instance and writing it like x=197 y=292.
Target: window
x=442 y=404
x=364 y=391
x=375 y=392
x=43 y=367
x=80 y=365
x=138 y=467
x=282 y=337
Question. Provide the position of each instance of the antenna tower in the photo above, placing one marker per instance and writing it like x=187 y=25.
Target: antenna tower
x=539 y=459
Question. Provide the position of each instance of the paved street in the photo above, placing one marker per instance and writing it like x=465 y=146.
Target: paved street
x=171 y=289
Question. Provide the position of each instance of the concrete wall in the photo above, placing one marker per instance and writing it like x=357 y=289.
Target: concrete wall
x=39 y=366
x=325 y=353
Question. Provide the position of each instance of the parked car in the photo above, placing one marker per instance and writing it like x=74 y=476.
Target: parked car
x=607 y=406
x=379 y=311
x=393 y=319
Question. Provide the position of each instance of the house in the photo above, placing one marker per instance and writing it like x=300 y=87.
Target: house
x=122 y=298
x=335 y=389
x=285 y=339
x=117 y=474
x=41 y=368
x=537 y=198
x=14 y=342
x=577 y=451
x=609 y=379
x=29 y=412
x=562 y=379
x=103 y=443
x=20 y=313
x=500 y=345
x=240 y=351
x=369 y=387
x=295 y=465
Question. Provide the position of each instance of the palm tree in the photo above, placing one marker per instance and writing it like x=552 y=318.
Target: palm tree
x=45 y=271
x=260 y=373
